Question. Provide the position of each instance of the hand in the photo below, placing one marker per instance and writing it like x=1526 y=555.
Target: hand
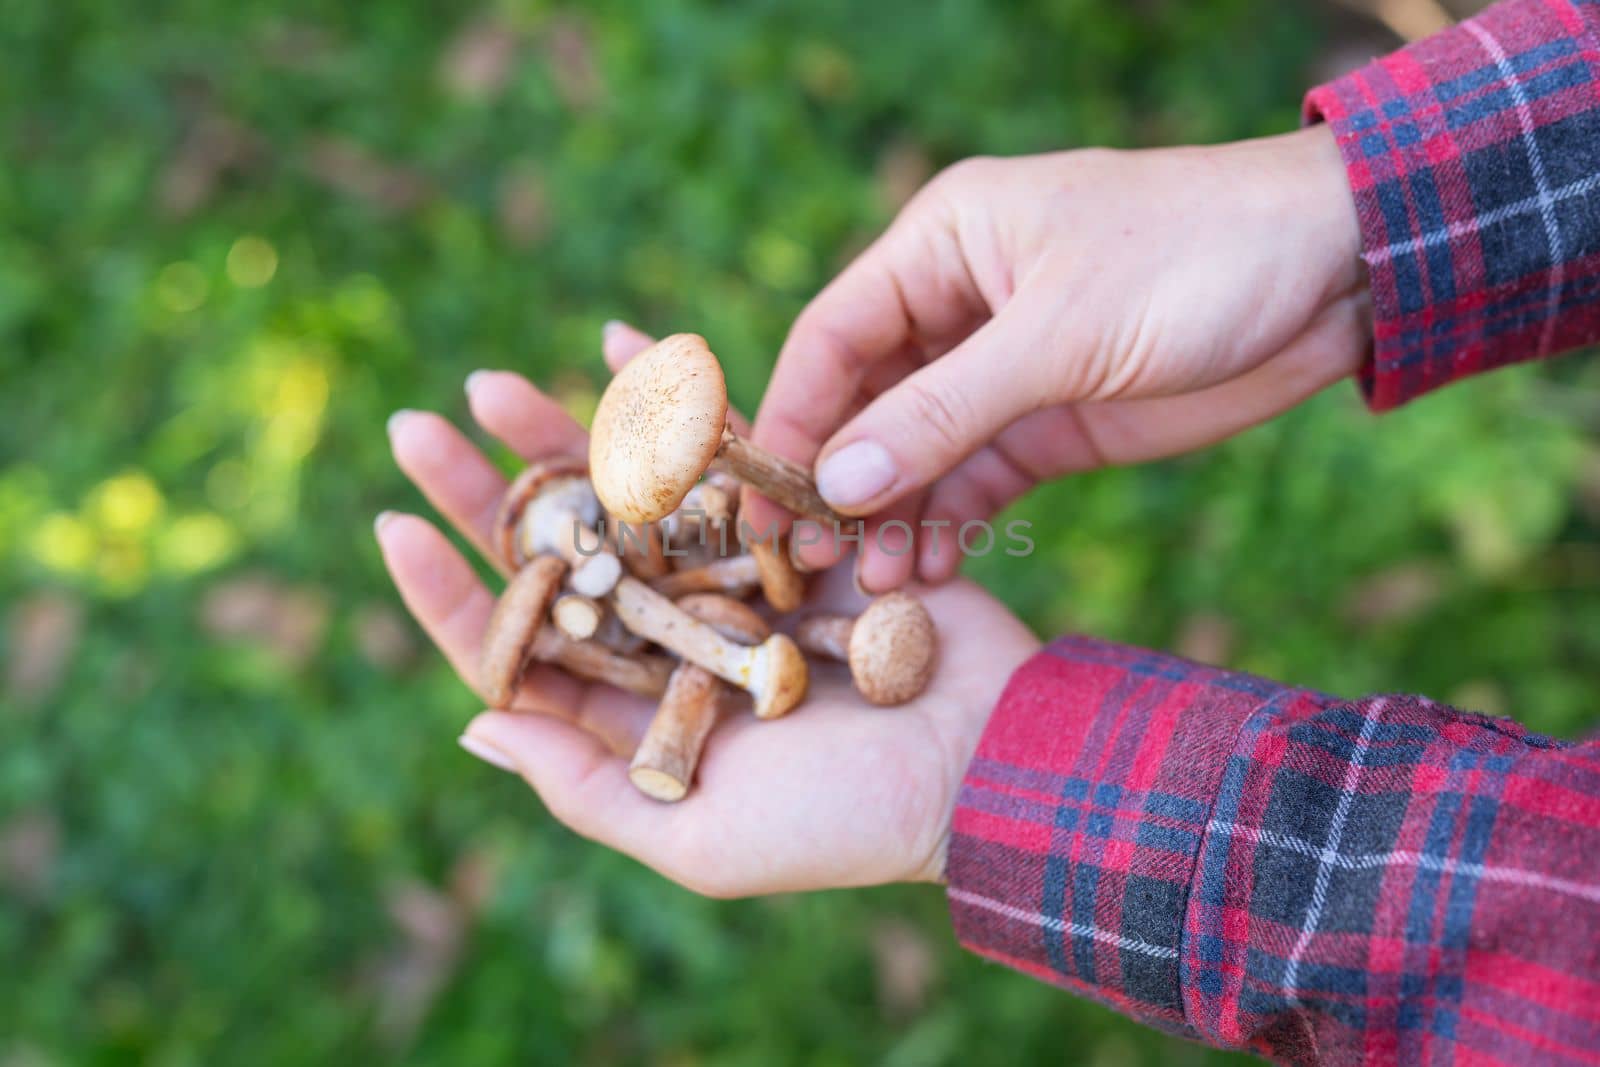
x=1026 y=318
x=838 y=793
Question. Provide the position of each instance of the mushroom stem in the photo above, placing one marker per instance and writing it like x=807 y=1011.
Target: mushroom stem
x=595 y=568
x=576 y=615
x=774 y=671
x=517 y=632
x=735 y=575
x=617 y=637
x=666 y=758
x=645 y=675
x=783 y=586
x=784 y=481
x=825 y=635
x=664 y=763
x=641 y=548
x=713 y=499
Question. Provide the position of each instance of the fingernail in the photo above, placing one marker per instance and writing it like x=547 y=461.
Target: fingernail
x=609 y=330
x=379 y=522
x=487 y=752
x=473 y=379
x=393 y=425
x=856 y=473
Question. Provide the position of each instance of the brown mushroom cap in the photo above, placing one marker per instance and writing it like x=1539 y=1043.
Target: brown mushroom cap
x=522 y=492
x=657 y=428
x=517 y=617
x=733 y=619
x=781 y=677
x=892 y=649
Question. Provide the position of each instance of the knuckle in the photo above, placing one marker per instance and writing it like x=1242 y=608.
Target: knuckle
x=940 y=412
x=971 y=169
x=955 y=181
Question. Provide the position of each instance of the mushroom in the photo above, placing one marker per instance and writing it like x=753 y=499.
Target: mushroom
x=664 y=763
x=577 y=616
x=641 y=547
x=713 y=501
x=734 y=575
x=891 y=646
x=766 y=565
x=733 y=619
x=774 y=671
x=517 y=633
x=663 y=421
x=544 y=512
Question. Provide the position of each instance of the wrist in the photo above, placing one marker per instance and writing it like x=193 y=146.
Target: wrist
x=1316 y=190
x=978 y=698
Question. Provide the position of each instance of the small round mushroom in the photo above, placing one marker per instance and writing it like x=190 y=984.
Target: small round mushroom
x=663 y=420
x=890 y=647
x=774 y=671
x=545 y=511
x=517 y=633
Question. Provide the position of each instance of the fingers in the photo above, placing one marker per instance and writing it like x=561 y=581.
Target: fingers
x=441 y=591
x=932 y=420
x=910 y=288
x=975 y=491
x=620 y=342
x=451 y=473
x=531 y=424
x=888 y=553
x=582 y=784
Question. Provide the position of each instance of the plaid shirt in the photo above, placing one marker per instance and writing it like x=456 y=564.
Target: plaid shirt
x=1268 y=868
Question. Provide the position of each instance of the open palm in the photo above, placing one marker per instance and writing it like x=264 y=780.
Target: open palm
x=838 y=793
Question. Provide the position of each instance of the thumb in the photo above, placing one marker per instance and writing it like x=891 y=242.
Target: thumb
x=932 y=419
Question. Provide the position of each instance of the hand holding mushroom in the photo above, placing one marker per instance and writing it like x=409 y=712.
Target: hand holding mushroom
x=836 y=793
x=659 y=427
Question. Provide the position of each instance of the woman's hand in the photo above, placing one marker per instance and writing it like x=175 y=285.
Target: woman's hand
x=1026 y=318
x=838 y=793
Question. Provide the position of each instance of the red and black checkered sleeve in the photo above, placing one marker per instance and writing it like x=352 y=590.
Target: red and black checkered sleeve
x=1386 y=880
x=1474 y=157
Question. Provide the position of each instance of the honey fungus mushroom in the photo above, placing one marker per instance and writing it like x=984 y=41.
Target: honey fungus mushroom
x=891 y=647
x=774 y=672
x=517 y=632
x=663 y=421
x=544 y=512
x=664 y=764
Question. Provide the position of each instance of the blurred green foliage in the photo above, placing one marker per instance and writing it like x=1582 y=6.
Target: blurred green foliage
x=234 y=826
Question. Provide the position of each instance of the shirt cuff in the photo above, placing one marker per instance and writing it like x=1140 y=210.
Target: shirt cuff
x=1081 y=817
x=1472 y=156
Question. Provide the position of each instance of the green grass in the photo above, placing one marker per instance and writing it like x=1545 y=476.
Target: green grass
x=209 y=303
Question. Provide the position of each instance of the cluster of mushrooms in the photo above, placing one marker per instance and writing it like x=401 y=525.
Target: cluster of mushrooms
x=630 y=570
